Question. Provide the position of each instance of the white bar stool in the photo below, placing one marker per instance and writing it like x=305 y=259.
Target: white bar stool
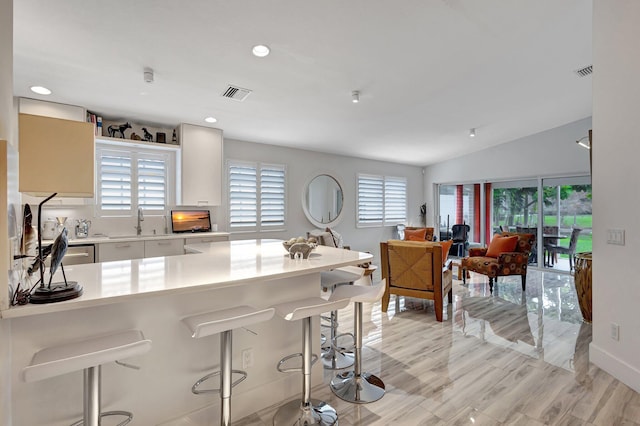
x=354 y=385
x=306 y=411
x=88 y=355
x=223 y=322
x=333 y=358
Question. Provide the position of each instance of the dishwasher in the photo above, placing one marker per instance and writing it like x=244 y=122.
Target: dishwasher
x=77 y=254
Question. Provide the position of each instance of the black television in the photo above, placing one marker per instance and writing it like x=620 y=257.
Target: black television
x=190 y=221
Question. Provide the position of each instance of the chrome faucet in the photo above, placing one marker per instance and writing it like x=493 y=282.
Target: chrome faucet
x=140 y=219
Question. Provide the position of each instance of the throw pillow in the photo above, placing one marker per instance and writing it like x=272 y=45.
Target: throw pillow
x=415 y=234
x=500 y=244
x=446 y=246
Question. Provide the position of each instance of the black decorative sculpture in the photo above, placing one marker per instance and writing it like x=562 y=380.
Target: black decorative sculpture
x=118 y=128
x=147 y=136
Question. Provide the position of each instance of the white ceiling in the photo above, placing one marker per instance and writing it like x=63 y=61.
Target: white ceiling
x=427 y=70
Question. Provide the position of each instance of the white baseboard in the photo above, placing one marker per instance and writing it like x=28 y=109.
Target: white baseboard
x=619 y=369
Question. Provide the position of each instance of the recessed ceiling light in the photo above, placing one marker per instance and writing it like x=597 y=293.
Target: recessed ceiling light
x=260 y=50
x=40 y=90
x=210 y=120
x=472 y=133
x=355 y=96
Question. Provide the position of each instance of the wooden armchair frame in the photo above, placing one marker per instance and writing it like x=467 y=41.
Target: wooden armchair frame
x=421 y=275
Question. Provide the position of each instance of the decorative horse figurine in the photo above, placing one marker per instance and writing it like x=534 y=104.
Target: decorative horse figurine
x=118 y=128
x=147 y=136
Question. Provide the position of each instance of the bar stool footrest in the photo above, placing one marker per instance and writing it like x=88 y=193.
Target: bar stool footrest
x=314 y=358
x=195 y=390
x=127 y=414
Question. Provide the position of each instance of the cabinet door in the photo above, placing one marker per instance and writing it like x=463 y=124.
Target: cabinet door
x=201 y=165
x=60 y=111
x=121 y=251
x=211 y=239
x=156 y=248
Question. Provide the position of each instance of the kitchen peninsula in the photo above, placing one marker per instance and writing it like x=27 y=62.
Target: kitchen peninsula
x=153 y=295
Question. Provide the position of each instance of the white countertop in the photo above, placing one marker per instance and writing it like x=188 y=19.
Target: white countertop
x=98 y=239
x=218 y=265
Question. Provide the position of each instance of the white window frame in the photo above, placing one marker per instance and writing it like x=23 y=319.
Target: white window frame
x=380 y=202
x=258 y=168
x=135 y=152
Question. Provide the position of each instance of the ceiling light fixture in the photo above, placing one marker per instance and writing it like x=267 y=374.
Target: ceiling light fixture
x=584 y=143
x=40 y=90
x=472 y=132
x=260 y=50
x=210 y=120
x=355 y=96
x=148 y=75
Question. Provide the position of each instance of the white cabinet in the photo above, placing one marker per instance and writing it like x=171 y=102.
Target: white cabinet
x=120 y=251
x=62 y=112
x=210 y=239
x=201 y=165
x=156 y=248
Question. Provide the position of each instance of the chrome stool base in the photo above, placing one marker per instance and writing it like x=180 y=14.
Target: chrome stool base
x=333 y=359
x=295 y=413
x=127 y=414
x=359 y=389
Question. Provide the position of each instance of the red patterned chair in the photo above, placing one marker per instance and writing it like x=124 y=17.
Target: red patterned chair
x=494 y=262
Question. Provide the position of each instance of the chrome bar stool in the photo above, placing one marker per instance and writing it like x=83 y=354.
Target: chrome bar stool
x=354 y=385
x=88 y=355
x=306 y=411
x=223 y=322
x=333 y=357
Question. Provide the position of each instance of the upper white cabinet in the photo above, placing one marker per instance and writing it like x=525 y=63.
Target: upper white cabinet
x=62 y=138
x=201 y=165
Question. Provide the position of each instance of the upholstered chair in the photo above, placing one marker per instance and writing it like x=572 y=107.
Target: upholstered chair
x=494 y=263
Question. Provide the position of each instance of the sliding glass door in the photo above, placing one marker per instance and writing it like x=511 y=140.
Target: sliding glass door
x=514 y=206
x=567 y=220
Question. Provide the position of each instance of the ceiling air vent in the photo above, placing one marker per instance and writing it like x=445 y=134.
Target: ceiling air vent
x=583 y=72
x=236 y=93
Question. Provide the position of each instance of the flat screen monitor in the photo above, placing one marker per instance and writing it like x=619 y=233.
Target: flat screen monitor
x=190 y=221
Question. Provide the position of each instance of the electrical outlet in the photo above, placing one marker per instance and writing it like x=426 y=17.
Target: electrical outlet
x=247 y=358
x=615 y=331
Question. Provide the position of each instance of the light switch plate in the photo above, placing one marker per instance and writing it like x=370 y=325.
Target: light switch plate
x=615 y=236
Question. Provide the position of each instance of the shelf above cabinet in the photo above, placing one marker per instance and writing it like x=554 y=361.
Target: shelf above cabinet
x=141 y=144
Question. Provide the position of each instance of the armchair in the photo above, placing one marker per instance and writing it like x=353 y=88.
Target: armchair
x=415 y=269
x=504 y=263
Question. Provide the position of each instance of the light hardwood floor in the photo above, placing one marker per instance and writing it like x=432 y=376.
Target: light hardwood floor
x=495 y=360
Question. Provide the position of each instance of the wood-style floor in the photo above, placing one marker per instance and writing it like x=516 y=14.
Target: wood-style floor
x=496 y=360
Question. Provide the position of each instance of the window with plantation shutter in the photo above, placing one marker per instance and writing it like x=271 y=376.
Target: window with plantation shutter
x=382 y=200
x=257 y=194
x=130 y=178
x=152 y=183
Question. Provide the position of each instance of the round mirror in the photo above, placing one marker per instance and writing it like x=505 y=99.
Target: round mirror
x=322 y=200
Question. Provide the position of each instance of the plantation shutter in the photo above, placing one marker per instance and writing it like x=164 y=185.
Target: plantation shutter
x=115 y=182
x=370 y=200
x=243 y=199
x=272 y=195
x=152 y=182
x=395 y=200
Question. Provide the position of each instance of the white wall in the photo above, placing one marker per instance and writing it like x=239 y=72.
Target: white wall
x=616 y=91
x=10 y=191
x=553 y=152
x=302 y=165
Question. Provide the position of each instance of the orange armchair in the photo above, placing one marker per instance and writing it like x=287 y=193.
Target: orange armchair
x=510 y=263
